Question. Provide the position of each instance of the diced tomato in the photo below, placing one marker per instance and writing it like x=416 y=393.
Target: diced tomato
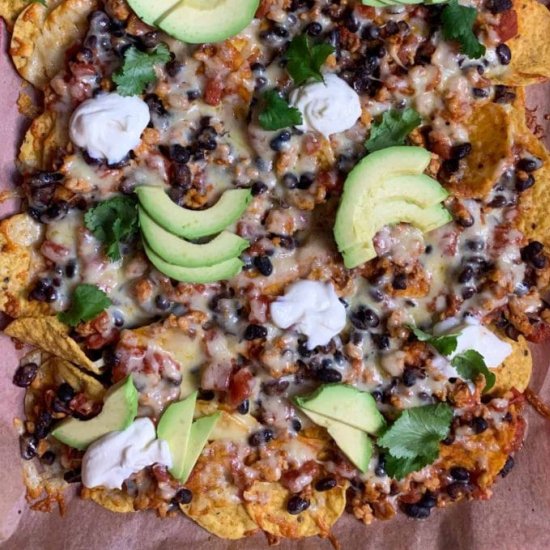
x=240 y=386
x=213 y=91
x=508 y=25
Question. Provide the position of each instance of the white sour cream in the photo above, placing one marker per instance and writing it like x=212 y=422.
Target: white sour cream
x=109 y=126
x=327 y=107
x=313 y=308
x=473 y=335
x=111 y=460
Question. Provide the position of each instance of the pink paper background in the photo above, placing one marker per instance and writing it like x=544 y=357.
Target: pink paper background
x=516 y=518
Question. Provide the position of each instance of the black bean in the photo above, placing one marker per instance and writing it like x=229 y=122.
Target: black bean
x=504 y=54
x=416 y=511
x=290 y=181
x=25 y=374
x=507 y=468
x=260 y=437
x=244 y=407
x=73 y=476
x=450 y=166
x=179 y=154
x=48 y=458
x=498 y=6
x=296 y=425
x=65 y=392
x=399 y=282
x=498 y=201
x=468 y=292
x=42 y=425
x=466 y=275
x=253 y=332
x=428 y=500
x=326 y=484
x=40 y=292
x=449 y=440
x=364 y=318
x=524 y=182
x=303 y=350
x=531 y=251
x=263 y=265
x=390 y=29
x=328 y=375
x=458 y=490
x=314 y=29
x=193 y=95
x=528 y=164
x=409 y=377
x=382 y=341
x=155 y=105
x=461 y=151
x=162 y=302
x=28 y=446
x=479 y=424
x=174 y=67
x=480 y=92
x=181 y=176
x=351 y=23
x=206 y=395
x=539 y=262
x=370 y=32
x=296 y=505
x=258 y=188
x=306 y=181
x=280 y=141
x=460 y=474
x=474 y=245
x=183 y=496
x=380 y=469
x=150 y=40
x=504 y=94
x=377 y=395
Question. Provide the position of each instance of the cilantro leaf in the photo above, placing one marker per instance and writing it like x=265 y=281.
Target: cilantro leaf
x=418 y=431
x=305 y=60
x=138 y=69
x=87 y=302
x=470 y=364
x=394 y=127
x=113 y=222
x=445 y=344
x=278 y=113
x=398 y=468
x=457 y=24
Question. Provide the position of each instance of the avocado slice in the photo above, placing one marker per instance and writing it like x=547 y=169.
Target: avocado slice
x=151 y=12
x=199 y=275
x=175 y=428
x=426 y=220
x=375 y=3
x=201 y=431
x=193 y=224
x=118 y=412
x=179 y=252
x=354 y=443
x=344 y=404
x=202 y=21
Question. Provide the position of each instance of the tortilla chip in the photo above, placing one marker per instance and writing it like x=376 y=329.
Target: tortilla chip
x=19 y=262
x=63 y=371
x=49 y=334
x=113 y=500
x=45 y=139
x=266 y=504
x=516 y=370
x=42 y=35
x=530 y=47
x=533 y=219
x=10 y=9
x=216 y=504
x=490 y=130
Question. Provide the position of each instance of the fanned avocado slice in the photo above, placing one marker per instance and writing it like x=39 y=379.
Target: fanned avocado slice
x=200 y=275
x=179 y=252
x=193 y=224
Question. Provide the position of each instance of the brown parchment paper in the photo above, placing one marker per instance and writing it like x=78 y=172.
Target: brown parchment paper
x=516 y=518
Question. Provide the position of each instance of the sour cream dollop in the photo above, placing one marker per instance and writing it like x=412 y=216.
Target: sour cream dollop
x=111 y=460
x=473 y=335
x=327 y=107
x=109 y=126
x=313 y=308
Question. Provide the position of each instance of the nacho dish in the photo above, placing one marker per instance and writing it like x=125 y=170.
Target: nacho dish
x=275 y=260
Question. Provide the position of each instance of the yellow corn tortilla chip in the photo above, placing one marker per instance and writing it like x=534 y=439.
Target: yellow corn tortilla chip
x=10 y=9
x=19 y=262
x=45 y=139
x=43 y=34
x=49 y=334
x=516 y=370
x=530 y=47
x=217 y=505
x=266 y=504
x=490 y=130
x=113 y=500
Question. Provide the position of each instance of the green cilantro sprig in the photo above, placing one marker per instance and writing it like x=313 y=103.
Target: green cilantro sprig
x=138 y=69
x=392 y=129
x=412 y=441
x=87 y=302
x=446 y=344
x=470 y=364
x=113 y=222
x=277 y=113
x=306 y=59
x=458 y=24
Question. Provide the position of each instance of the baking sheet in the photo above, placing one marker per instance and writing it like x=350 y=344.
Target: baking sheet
x=516 y=518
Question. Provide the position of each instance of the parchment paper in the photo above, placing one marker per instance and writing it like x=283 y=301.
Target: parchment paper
x=516 y=518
